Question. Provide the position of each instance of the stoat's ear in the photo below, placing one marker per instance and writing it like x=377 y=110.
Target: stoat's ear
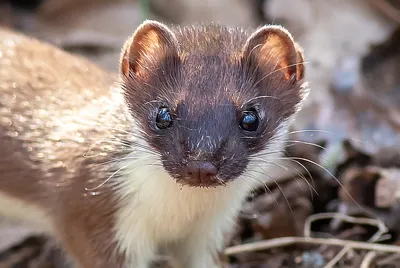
x=152 y=44
x=274 y=46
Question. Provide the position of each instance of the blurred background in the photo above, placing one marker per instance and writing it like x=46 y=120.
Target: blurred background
x=345 y=143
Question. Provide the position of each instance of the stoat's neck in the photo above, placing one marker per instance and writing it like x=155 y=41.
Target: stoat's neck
x=154 y=204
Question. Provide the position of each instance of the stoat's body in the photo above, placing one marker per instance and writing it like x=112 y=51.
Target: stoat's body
x=160 y=159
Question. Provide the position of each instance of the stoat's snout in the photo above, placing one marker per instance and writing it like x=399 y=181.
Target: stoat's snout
x=201 y=173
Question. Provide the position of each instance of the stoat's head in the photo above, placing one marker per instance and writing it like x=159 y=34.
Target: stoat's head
x=208 y=98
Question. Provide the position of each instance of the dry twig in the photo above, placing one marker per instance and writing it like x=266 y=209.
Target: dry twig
x=290 y=241
x=362 y=221
x=368 y=259
x=389 y=259
x=382 y=229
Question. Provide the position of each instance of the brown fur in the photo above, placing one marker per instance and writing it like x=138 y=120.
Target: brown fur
x=46 y=168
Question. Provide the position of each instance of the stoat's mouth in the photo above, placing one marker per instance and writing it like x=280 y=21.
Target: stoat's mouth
x=212 y=182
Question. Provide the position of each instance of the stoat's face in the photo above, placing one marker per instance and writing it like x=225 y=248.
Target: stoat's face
x=208 y=99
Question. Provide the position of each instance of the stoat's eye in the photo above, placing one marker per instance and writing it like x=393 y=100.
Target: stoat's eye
x=249 y=121
x=164 y=118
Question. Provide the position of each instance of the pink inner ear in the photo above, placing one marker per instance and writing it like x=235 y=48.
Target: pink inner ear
x=146 y=49
x=125 y=64
x=281 y=54
x=150 y=43
x=274 y=47
x=300 y=63
x=146 y=52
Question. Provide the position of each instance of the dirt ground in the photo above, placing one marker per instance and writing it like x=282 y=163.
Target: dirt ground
x=335 y=200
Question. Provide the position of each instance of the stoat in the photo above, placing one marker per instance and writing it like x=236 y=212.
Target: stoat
x=160 y=156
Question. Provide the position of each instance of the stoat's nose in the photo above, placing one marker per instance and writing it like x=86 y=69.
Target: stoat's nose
x=201 y=173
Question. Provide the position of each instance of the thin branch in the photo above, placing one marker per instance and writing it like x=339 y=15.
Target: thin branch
x=382 y=229
x=362 y=221
x=290 y=241
x=368 y=259
x=389 y=259
x=338 y=257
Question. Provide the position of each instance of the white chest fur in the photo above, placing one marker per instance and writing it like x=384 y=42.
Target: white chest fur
x=156 y=210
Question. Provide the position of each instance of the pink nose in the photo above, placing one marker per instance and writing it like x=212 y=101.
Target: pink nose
x=201 y=172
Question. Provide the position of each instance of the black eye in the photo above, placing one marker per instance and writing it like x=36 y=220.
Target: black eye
x=164 y=118
x=249 y=121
